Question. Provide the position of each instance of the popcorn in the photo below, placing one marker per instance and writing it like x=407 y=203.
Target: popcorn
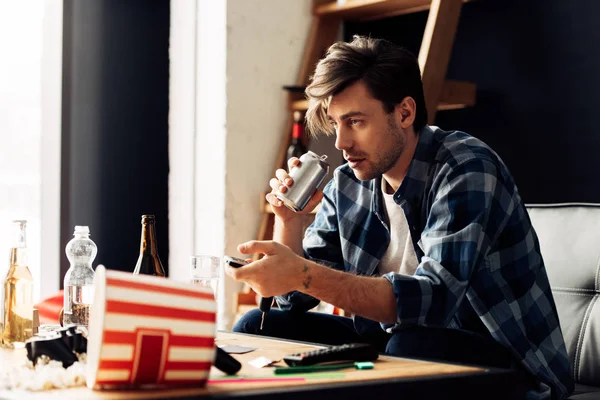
x=47 y=375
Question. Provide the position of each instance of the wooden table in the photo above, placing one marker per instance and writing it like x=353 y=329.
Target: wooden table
x=391 y=377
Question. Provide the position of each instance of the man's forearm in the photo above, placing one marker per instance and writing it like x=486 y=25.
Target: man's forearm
x=290 y=234
x=369 y=297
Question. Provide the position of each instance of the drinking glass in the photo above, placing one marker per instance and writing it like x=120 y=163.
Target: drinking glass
x=204 y=271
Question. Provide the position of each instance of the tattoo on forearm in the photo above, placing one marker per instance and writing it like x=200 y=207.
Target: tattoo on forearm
x=306 y=282
x=308 y=278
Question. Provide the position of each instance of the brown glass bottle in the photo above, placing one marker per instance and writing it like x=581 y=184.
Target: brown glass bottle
x=148 y=262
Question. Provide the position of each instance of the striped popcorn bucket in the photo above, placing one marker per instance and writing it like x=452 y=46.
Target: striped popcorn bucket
x=149 y=331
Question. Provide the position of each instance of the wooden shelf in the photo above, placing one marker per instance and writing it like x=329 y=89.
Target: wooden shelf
x=455 y=95
x=364 y=10
x=299 y=105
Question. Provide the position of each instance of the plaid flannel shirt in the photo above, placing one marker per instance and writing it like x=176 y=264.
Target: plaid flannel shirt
x=480 y=263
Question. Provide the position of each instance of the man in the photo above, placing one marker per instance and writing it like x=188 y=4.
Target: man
x=422 y=235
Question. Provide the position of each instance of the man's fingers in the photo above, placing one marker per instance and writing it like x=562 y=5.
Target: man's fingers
x=293 y=162
x=235 y=273
x=271 y=198
x=274 y=183
x=283 y=177
x=257 y=246
x=241 y=273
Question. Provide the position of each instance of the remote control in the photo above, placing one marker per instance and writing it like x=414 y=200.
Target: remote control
x=234 y=261
x=344 y=352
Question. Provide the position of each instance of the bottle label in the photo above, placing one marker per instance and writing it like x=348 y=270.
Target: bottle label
x=297 y=130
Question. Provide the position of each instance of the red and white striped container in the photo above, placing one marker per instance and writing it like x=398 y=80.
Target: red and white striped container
x=146 y=330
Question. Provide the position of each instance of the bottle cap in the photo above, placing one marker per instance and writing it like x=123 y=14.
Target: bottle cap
x=148 y=218
x=19 y=233
x=81 y=230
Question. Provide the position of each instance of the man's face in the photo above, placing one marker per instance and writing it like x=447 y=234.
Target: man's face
x=371 y=139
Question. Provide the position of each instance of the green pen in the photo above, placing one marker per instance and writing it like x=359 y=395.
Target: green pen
x=317 y=368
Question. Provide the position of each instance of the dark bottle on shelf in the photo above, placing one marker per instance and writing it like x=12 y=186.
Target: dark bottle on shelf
x=297 y=148
x=148 y=262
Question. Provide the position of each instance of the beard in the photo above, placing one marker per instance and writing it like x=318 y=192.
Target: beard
x=386 y=158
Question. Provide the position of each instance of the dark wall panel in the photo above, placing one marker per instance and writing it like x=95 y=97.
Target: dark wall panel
x=536 y=66
x=115 y=124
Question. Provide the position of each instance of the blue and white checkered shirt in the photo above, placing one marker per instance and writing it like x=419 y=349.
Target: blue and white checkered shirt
x=480 y=263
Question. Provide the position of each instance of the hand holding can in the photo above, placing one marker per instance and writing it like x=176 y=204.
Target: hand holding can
x=306 y=177
x=310 y=178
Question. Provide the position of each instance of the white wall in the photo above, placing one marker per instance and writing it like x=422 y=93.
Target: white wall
x=30 y=120
x=237 y=55
x=265 y=42
x=182 y=134
x=51 y=97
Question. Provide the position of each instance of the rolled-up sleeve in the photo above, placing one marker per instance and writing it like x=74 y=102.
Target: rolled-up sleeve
x=321 y=244
x=470 y=208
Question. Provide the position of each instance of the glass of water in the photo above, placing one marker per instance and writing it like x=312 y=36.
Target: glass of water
x=204 y=271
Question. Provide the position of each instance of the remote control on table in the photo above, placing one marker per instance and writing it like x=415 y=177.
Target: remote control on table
x=345 y=352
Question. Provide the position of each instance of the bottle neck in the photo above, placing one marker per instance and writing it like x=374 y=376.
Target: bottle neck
x=148 y=241
x=18 y=256
x=18 y=252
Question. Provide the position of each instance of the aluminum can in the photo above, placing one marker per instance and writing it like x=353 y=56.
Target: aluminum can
x=307 y=177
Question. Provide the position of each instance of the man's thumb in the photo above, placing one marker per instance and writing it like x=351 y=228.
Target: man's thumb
x=257 y=246
x=318 y=196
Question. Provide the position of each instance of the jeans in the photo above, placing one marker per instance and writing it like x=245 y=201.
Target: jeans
x=436 y=344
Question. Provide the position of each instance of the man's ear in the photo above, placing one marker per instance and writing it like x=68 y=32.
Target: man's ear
x=406 y=112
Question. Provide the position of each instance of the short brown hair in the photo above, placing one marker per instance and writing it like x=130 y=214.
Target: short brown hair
x=390 y=73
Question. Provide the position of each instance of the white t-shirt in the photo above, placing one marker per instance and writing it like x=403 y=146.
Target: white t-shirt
x=400 y=255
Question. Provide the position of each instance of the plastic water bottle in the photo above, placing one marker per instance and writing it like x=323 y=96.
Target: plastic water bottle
x=79 y=279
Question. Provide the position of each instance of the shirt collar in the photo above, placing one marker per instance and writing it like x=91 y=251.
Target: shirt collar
x=413 y=185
